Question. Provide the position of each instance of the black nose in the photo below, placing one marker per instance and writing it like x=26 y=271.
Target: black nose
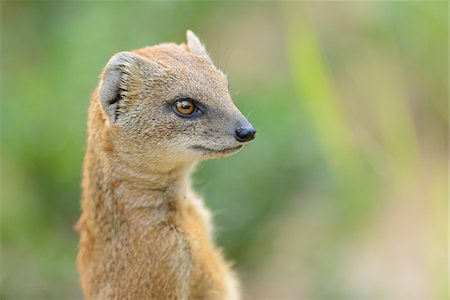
x=245 y=133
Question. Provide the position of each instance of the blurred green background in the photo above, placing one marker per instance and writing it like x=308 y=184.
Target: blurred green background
x=343 y=195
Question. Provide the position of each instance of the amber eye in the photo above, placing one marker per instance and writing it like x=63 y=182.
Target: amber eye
x=185 y=107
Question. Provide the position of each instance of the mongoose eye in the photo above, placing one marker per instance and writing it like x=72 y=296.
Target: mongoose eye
x=185 y=107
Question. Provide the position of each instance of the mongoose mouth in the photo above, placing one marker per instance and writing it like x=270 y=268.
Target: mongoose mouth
x=223 y=151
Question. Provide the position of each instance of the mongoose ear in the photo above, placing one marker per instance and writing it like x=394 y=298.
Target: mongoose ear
x=195 y=46
x=119 y=78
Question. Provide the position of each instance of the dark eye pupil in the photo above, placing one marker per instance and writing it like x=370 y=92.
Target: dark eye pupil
x=185 y=105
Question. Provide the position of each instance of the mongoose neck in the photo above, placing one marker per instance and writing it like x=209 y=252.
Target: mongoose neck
x=136 y=185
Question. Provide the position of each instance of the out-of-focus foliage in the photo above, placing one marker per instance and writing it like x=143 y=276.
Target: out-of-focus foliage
x=341 y=196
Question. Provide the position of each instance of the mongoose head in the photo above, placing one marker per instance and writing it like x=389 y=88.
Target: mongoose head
x=169 y=103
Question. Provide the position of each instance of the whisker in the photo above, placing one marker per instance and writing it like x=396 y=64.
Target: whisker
x=229 y=58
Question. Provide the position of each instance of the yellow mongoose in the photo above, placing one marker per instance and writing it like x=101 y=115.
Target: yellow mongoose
x=144 y=234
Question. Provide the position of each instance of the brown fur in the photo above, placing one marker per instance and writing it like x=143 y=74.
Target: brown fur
x=143 y=232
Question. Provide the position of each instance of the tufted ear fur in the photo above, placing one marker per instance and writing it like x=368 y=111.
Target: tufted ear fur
x=120 y=81
x=195 y=46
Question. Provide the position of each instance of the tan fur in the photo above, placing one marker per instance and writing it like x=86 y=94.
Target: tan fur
x=143 y=232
